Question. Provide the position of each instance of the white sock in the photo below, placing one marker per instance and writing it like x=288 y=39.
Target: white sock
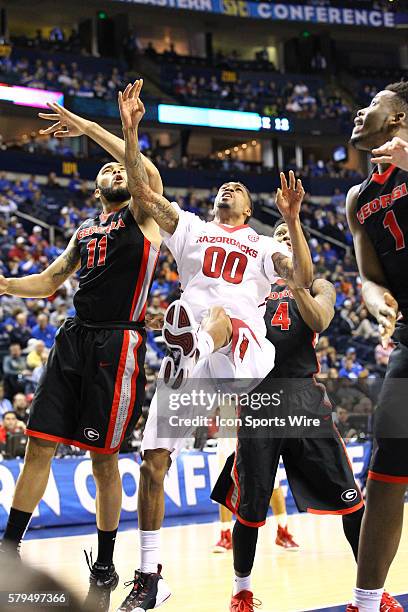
x=241 y=584
x=205 y=344
x=282 y=519
x=149 y=550
x=367 y=601
x=227 y=526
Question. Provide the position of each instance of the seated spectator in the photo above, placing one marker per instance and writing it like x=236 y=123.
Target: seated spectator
x=155 y=306
x=21 y=407
x=15 y=371
x=39 y=370
x=10 y=425
x=52 y=181
x=342 y=423
x=21 y=332
x=5 y=404
x=382 y=356
x=366 y=328
x=338 y=200
x=350 y=369
x=34 y=357
x=364 y=406
x=44 y=331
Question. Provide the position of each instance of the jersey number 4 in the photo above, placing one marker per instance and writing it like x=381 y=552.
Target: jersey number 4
x=281 y=317
x=232 y=267
x=93 y=246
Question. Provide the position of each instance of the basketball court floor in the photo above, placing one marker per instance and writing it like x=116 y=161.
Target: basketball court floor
x=319 y=576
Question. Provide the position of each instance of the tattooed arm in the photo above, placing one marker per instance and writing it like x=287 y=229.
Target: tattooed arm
x=44 y=284
x=316 y=306
x=153 y=204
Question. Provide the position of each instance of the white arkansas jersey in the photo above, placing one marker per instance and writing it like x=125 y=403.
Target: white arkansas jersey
x=224 y=266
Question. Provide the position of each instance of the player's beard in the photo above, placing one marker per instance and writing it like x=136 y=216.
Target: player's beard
x=120 y=194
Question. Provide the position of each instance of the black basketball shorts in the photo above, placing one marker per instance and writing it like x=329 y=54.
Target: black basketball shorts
x=318 y=469
x=390 y=457
x=92 y=391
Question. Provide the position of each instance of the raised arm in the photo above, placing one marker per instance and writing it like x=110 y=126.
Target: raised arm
x=44 y=284
x=153 y=204
x=316 y=306
x=377 y=296
x=67 y=124
x=298 y=269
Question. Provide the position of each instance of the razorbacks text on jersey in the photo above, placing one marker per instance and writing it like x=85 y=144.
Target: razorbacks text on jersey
x=294 y=341
x=224 y=266
x=382 y=208
x=117 y=267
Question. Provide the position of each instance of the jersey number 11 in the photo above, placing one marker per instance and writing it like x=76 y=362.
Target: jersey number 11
x=92 y=246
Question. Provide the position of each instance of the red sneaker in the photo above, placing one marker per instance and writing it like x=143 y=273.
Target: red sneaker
x=285 y=539
x=225 y=542
x=244 y=602
x=389 y=604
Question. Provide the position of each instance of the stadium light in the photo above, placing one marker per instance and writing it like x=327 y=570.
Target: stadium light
x=29 y=96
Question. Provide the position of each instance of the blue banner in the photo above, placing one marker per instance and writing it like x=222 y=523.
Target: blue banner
x=284 y=12
x=70 y=495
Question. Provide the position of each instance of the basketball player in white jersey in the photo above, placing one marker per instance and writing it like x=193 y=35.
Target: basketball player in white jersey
x=217 y=329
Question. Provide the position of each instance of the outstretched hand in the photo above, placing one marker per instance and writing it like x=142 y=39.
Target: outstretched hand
x=66 y=125
x=394 y=151
x=131 y=107
x=289 y=197
x=387 y=318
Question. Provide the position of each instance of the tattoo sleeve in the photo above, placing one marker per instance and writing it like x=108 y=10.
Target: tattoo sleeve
x=45 y=283
x=283 y=265
x=152 y=203
x=68 y=264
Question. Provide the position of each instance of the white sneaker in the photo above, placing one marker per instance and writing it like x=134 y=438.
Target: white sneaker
x=180 y=336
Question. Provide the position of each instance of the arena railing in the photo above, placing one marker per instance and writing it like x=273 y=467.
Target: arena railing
x=314 y=232
x=50 y=228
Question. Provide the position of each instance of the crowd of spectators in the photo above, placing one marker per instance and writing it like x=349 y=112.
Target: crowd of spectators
x=69 y=78
x=349 y=350
x=267 y=96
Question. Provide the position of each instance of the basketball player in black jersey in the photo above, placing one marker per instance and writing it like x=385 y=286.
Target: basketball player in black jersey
x=318 y=469
x=377 y=212
x=92 y=391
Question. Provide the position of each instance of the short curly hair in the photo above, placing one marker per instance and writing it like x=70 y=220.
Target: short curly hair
x=401 y=91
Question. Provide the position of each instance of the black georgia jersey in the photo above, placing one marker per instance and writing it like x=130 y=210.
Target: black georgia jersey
x=294 y=340
x=382 y=208
x=117 y=266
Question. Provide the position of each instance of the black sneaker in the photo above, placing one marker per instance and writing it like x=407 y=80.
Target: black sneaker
x=103 y=579
x=149 y=591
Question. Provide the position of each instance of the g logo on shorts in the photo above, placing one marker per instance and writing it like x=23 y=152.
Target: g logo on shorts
x=91 y=434
x=349 y=496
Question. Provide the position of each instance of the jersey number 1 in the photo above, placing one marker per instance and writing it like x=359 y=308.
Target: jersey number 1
x=390 y=222
x=281 y=317
x=101 y=246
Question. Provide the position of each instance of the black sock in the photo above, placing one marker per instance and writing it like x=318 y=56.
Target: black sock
x=106 y=544
x=352 y=527
x=16 y=525
x=244 y=541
